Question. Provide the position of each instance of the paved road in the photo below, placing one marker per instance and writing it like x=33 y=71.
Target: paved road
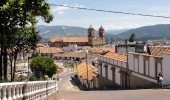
x=68 y=92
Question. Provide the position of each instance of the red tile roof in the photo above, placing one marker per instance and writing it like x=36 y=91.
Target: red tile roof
x=116 y=56
x=101 y=49
x=82 y=71
x=50 y=50
x=70 y=54
x=158 y=50
x=68 y=39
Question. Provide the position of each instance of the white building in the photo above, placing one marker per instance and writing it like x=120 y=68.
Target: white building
x=139 y=72
x=70 y=48
x=124 y=47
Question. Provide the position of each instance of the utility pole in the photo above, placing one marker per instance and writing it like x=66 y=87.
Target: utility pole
x=127 y=66
x=87 y=71
x=126 y=53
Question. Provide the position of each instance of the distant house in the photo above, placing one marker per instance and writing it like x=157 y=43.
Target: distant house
x=77 y=56
x=90 y=40
x=123 y=47
x=47 y=51
x=86 y=72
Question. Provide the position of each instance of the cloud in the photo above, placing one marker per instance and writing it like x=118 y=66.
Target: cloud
x=120 y=26
x=61 y=10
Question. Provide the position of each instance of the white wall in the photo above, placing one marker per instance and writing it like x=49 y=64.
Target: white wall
x=107 y=60
x=123 y=49
x=71 y=47
x=141 y=66
x=109 y=72
x=147 y=65
x=111 y=61
x=166 y=69
x=152 y=67
x=123 y=64
x=117 y=75
x=104 y=59
x=119 y=63
x=115 y=62
x=103 y=70
x=136 y=64
x=99 y=69
x=130 y=61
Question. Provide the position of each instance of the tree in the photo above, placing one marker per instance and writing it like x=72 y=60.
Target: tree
x=25 y=41
x=17 y=27
x=132 y=38
x=41 y=66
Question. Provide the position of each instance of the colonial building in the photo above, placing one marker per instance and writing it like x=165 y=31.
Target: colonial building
x=137 y=70
x=90 y=40
x=112 y=68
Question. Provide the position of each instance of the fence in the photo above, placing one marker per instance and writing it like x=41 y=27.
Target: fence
x=34 y=90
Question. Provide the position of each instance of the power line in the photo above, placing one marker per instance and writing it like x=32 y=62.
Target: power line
x=110 y=11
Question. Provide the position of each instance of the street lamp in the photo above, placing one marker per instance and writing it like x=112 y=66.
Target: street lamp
x=28 y=73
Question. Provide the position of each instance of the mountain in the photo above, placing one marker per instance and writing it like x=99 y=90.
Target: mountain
x=114 y=32
x=60 y=31
x=160 y=31
x=110 y=34
x=47 y=32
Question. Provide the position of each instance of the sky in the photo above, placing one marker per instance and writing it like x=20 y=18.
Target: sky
x=110 y=21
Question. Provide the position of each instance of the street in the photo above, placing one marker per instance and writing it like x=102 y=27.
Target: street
x=67 y=91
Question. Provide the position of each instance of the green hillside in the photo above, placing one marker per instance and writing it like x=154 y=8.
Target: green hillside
x=161 y=31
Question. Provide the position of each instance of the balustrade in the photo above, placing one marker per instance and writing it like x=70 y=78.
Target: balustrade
x=34 y=90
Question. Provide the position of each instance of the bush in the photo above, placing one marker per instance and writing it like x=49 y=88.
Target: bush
x=68 y=65
x=41 y=66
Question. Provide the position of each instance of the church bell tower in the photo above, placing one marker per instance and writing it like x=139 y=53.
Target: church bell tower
x=101 y=32
x=90 y=35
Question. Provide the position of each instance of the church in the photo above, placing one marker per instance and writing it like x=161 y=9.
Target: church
x=90 y=40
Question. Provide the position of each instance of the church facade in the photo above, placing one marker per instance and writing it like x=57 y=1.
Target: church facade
x=90 y=40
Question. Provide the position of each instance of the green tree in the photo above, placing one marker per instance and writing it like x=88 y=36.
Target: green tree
x=41 y=66
x=132 y=38
x=17 y=27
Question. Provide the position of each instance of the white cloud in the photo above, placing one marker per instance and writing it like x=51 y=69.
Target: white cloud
x=61 y=10
x=120 y=26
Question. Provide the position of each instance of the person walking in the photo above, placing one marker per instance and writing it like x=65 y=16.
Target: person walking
x=160 y=80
